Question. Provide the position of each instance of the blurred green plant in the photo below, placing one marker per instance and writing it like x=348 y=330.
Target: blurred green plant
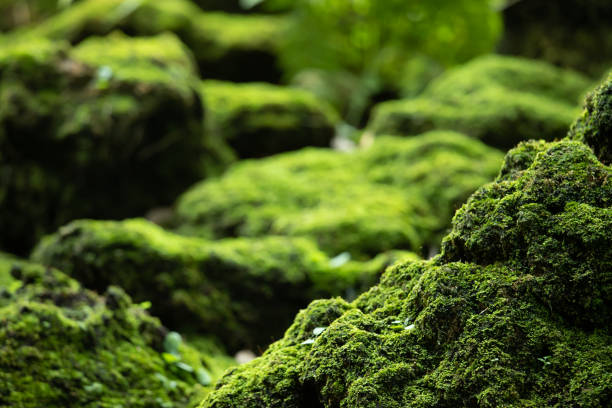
x=379 y=40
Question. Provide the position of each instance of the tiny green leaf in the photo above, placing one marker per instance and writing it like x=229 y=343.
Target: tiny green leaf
x=309 y=341
x=318 y=330
x=203 y=376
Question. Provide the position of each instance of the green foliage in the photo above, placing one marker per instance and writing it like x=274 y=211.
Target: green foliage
x=64 y=346
x=500 y=100
x=515 y=311
x=397 y=194
x=243 y=291
x=258 y=119
x=109 y=128
x=222 y=44
x=594 y=127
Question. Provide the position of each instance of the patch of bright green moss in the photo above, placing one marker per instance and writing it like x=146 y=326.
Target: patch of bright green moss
x=398 y=194
x=499 y=100
x=259 y=119
x=110 y=129
x=64 y=346
x=594 y=127
x=516 y=311
x=243 y=291
x=225 y=46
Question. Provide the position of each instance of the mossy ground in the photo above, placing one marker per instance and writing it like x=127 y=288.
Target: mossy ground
x=64 y=346
x=222 y=44
x=109 y=128
x=397 y=194
x=514 y=312
x=499 y=100
x=243 y=291
x=258 y=119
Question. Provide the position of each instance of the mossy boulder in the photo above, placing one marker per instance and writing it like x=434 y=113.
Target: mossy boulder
x=399 y=193
x=108 y=129
x=499 y=100
x=594 y=127
x=260 y=119
x=243 y=291
x=222 y=44
x=570 y=33
x=516 y=311
x=64 y=346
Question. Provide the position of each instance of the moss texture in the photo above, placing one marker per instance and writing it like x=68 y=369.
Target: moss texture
x=499 y=100
x=398 y=194
x=222 y=44
x=594 y=127
x=514 y=312
x=64 y=346
x=244 y=291
x=569 y=33
x=259 y=119
x=108 y=129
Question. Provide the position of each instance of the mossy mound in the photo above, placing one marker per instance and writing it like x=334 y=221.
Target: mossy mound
x=259 y=119
x=63 y=346
x=594 y=127
x=398 y=194
x=570 y=33
x=514 y=312
x=244 y=291
x=222 y=44
x=499 y=100
x=107 y=129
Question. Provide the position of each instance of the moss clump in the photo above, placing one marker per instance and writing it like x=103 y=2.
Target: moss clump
x=397 y=194
x=594 y=127
x=107 y=129
x=244 y=291
x=259 y=120
x=64 y=346
x=500 y=100
x=222 y=44
x=570 y=33
x=514 y=312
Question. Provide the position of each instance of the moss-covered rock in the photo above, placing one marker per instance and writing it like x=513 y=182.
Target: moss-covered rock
x=594 y=127
x=500 y=100
x=244 y=291
x=570 y=33
x=107 y=129
x=222 y=44
x=516 y=311
x=259 y=119
x=398 y=194
x=64 y=346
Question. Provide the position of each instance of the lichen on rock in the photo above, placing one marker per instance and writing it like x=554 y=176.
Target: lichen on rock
x=499 y=100
x=258 y=119
x=242 y=291
x=64 y=346
x=110 y=128
x=514 y=312
x=400 y=193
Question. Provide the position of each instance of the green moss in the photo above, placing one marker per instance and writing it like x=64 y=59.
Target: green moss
x=222 y=44
x=110 y=129
x=14 y=13
x=572 y=33
x=514 y=312
x=594 y=127
x=64 y=346
x=397 y=194
x=500 y=100
x=244 y=291
x=259 y=120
